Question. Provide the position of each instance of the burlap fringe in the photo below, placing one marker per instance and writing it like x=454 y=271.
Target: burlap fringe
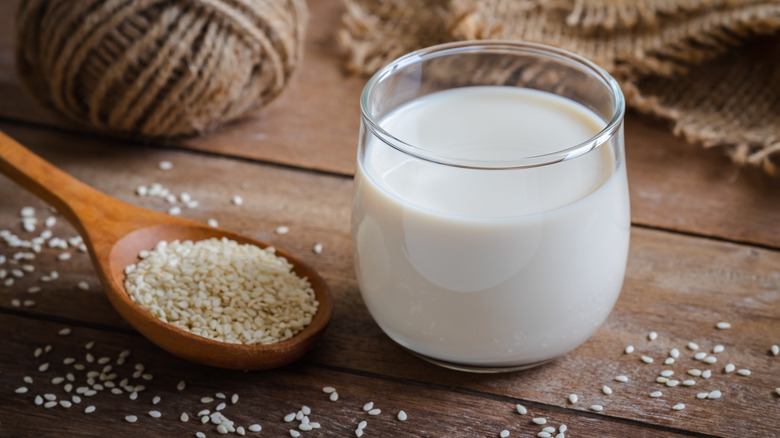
x=674 y=59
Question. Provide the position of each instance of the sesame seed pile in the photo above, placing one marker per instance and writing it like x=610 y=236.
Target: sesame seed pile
x=222 y=290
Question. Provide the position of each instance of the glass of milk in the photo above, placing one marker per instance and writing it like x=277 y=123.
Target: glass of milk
x=490 y=218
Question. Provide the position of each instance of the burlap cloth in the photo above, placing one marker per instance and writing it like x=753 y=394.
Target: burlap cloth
x=711 y=67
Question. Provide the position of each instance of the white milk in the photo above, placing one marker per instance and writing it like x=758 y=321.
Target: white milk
x=490 y=268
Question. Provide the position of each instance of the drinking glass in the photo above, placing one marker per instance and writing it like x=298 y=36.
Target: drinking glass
x=490 y=217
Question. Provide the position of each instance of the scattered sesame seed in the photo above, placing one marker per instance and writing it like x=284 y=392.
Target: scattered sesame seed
x=38 y=400
x=714 y=394
x=596 y=408
x=295 y=434
x=700 y=355
x=539 y=420
x=668 y=361
x=621 y=379
x=693 y=346
x=155 y=414
x=83 y=285
x=656 y=394
x=729 y=368
x=255 y=428
x=27 y=379
x=718 y=349
x=156 y=399
x=694 y=372
x=334 y=396
x=543 y=434
x=212 y=223
x=647 y=359
x=358 y=433
x=131 y=418
x=317 y=248
x=629 y=349
x=44 y=367
x=223 y=430
x=21 y=390
x=374 y=412
x=520 y=409
x=606 y=390
x=672 y=383
x=181 y=385
x=775 y=350
x=549 y=429
x=283 y=229
x=723 y=325
x=206 y=400
x=573 y=398
x=200 y=435
x=402 y=415
x=688 y=382
x=66 y=404
x=661 y=379
x=64 y=331
x=289 y=417
x=234 y=399
x=702 y=395
x=50 y=404
x=777 y=391
x=652 y=336
x=667 y=373
x=237 y=200
x=504 y=433
x=368 y=406
x=679 y=407
x=706 y=374
x=562 y=428
x=328 y=389
x=174 y=211
x=743 y=372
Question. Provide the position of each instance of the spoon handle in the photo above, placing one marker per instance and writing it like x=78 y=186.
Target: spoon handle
x=84 y=207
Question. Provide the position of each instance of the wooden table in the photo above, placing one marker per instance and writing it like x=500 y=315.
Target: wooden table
x=705 y=248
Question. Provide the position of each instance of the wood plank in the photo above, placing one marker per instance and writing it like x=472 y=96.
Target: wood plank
x=265 y=398
x=315 y=124
x=678 y=286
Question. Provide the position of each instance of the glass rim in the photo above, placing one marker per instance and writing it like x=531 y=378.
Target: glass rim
x=446 y=49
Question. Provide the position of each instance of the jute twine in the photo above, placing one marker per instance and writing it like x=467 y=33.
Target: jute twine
x=711 y=67
x=158 y=67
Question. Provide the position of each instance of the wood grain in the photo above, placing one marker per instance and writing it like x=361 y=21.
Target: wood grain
x=676 y=285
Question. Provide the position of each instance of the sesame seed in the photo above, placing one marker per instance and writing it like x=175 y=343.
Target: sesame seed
x=64 y=331
x=667 y=373
x=629 y=349
x=573 y=398
x=283 y=229
x=43 y=367
x=694 y=372
x=234 y=399
x=562 y=428
x=165 y=165
x=706 y=374
x=539 y=420
x=702 y=395
x=544 y=434
x=83 y=285
x=66 y=404
x=255 y=428
x=368 y=406
x=374 y=412
x=200 y=435
x=668 y=361
x=688 y=382
x=679 y=407
x=606 y=390
x=328 y=389
x=520 y=409
x=647 y=359
x=174 y=211
x=155 y=414
x=729 y=368
x=402 y=415
x=714 y=394
x=672 y=383
x=240 y=430
x=220 y=406
x=289 y=417
x=718 y=349
x=50 y=404
x=661 y=379
x=21 y=390
x=652 y=336
x=622 y=379
x=775 y=350
x=358 y=433
x=205 y=412
x=38 y=400
x=549 y=429
x=777 y=391
x=693 y=346
x=334 y=396
x=700 y=355
x=206 y=400
x=317 y=248
x=237 y=200
x=723 y=325
x=156 y=399
x=212 y=223
x=131 y=418
x=743 y=372
x=656 y=394
x=222 y=429
x=27 y=379
x=504 y=433
x=295 y=434
x=596 y=408
x=181 y=385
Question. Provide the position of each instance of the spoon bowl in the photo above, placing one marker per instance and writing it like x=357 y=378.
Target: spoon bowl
x=116 y=232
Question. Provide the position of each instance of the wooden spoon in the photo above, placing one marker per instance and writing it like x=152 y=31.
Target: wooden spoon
x=115 y=232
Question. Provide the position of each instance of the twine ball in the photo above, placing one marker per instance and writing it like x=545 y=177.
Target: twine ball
x=158 y=68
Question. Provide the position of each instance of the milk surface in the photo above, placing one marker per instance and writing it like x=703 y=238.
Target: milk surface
x=490 y=267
